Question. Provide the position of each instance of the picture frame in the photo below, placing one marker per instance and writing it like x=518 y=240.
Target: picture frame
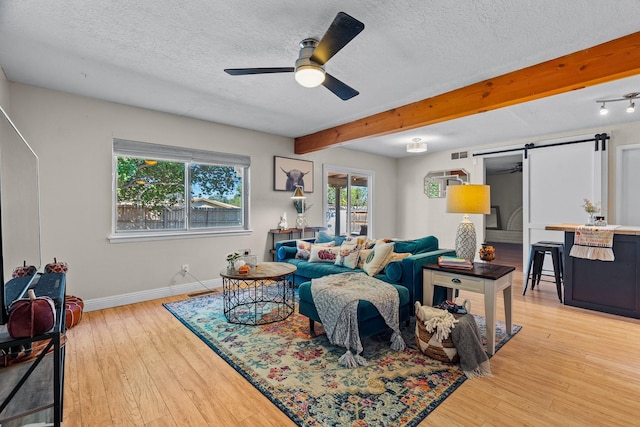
x=287 y=173
x=493 y=219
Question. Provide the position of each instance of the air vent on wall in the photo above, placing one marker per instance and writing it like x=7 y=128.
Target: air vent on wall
x=459 y=155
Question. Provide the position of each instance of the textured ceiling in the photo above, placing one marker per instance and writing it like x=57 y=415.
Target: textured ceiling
x=169 y=56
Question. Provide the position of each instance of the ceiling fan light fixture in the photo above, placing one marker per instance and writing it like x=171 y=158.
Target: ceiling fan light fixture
x=416 y=146
x=309 y=75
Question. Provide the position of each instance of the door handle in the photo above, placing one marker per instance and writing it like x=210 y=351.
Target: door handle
x=456 y=281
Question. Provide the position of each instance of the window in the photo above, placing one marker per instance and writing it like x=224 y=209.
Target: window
x=170 y=191
x=347 y=198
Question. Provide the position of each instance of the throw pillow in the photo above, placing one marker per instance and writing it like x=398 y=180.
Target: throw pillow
x=378 y=258
x=321 y=253
x=304 y=248
x=395 y=256
x=324 y=237
x=364 y=254
x=348 y=254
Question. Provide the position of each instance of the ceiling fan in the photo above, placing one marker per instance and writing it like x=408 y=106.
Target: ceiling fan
x=516 y=168
x=309 y=68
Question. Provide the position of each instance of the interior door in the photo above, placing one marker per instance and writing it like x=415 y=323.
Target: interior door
x=556 y=180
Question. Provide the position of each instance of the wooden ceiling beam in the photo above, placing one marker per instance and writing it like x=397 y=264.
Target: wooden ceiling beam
x=605 y=62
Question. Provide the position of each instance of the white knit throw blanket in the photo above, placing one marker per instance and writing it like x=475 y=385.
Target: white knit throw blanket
x=336 y=299
x=594 y=243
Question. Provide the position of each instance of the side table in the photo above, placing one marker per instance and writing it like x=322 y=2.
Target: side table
x=264 y=295
x=484 y=278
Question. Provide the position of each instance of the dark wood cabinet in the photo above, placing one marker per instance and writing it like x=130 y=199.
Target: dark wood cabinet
x=606 y=286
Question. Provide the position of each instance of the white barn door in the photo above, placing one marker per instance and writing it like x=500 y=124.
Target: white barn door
x=627 y=179
x=556 y=180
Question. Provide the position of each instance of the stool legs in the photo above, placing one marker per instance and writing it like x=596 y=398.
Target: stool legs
x=536 y=261
x=557 y=269
x=529 y=264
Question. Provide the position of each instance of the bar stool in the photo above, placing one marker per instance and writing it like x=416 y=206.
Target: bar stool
x=536 y=260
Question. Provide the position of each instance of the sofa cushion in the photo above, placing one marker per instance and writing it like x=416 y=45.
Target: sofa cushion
x=417 y=246
x=314 y=270
x=393 y=271
x=378 y=258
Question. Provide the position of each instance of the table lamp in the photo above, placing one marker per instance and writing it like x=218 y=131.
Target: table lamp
x=298 y=194
x=467 y=199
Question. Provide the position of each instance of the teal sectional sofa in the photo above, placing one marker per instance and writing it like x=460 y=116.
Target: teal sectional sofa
x=406 y=272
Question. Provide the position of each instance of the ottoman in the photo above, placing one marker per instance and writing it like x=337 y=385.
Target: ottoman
x=370 y=322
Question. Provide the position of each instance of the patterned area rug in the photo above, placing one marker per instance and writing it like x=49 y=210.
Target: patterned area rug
x=300 y=373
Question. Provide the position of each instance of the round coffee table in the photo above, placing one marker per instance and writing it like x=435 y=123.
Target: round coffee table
x=263 y=295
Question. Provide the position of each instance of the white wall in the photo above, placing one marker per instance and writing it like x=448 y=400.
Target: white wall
x=72 y=135
x=4 y=91
x=419 y=215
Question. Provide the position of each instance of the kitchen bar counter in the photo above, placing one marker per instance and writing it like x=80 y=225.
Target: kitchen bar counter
x=606 y=286
x=623 y=229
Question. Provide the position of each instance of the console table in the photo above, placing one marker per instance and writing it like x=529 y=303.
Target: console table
x=484 y=278
x=36 y=385
x=263 y=295
x=290 y=233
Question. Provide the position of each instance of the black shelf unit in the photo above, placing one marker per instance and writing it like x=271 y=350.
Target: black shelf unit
x=13 y=405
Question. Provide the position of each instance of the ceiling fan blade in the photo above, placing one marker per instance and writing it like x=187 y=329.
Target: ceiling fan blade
x=341 y=90
x=341 y=31
x=245 y=71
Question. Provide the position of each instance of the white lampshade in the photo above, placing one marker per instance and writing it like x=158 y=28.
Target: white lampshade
x=309 y=75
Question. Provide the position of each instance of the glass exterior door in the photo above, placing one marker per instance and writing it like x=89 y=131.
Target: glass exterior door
x=347 y=201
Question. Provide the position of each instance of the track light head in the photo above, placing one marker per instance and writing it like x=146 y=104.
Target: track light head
x=632 y=107
x=603 y=110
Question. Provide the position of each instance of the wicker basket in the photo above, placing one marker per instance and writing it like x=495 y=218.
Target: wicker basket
x=433 y=347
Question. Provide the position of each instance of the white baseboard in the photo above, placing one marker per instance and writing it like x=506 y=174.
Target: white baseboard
x=133 y=297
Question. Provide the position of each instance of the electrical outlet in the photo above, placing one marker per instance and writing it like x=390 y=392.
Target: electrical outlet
x=185 y=268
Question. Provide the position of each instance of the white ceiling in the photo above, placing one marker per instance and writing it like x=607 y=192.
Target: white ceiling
x=169 y=56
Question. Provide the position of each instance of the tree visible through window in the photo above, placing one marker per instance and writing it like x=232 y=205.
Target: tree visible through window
x=154 y=194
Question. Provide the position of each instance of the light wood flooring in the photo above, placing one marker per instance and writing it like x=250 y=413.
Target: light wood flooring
x=138 y=365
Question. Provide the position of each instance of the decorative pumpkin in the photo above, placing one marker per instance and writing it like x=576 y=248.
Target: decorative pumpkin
x=56 y=267
x=25 y=270
x=31 y=317
x=244 y=269
x=73 y=310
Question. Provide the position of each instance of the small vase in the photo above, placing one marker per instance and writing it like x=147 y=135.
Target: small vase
x=591 y=221
x=487 y=252
x=231 y=267
x=301 y=221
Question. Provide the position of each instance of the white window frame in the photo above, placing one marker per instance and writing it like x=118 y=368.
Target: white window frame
x=127 y=148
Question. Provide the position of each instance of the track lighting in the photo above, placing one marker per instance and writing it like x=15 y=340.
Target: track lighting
x=629 y=97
